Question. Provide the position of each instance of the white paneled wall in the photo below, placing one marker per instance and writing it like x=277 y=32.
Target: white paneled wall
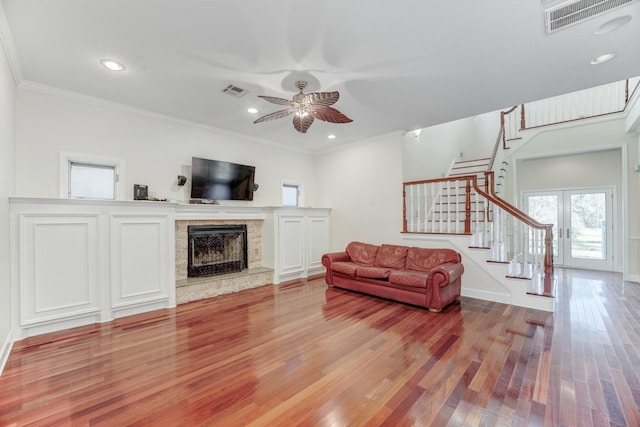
x=82 y=262
x=58 y=267
x=318 y=238
x=297 y=238
x=138 y=260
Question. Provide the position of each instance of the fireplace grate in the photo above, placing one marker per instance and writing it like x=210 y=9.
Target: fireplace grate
x=216 y=249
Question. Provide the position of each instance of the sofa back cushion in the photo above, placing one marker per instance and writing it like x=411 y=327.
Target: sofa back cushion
x=362 y=253
x=391 y=256
x=424 y=259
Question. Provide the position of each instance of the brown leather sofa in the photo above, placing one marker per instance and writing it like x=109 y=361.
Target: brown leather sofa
x=425 y=277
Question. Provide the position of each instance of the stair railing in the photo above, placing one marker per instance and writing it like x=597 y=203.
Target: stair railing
x=535 y=240
x=512 y=236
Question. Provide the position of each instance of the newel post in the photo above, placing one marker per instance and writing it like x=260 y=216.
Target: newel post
x=467 y=209
x=404 y=208
x=502 y=129
x=548 y=250
x=626 y=92
x=523 y=123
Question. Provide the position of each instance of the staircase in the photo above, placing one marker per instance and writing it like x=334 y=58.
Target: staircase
x=466 y=208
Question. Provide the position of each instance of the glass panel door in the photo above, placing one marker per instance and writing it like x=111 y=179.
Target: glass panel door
x=588 y=229
x=582 y=225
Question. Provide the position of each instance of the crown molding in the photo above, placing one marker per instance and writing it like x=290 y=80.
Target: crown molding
x=9 y=47
x=102 y=103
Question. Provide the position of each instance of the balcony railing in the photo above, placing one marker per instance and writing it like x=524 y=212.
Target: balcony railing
x=599 y=101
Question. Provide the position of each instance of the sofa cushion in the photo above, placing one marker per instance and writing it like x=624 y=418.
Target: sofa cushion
x=344 y=267
x=362 y=253
x=391 y=256
x=373 y=272
x=414 y=279
x=424 y=259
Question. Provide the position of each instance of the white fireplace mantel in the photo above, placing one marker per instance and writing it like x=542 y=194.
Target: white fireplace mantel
x=210 y=211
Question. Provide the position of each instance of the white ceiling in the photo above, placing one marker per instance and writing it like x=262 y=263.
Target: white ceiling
x=398 y=65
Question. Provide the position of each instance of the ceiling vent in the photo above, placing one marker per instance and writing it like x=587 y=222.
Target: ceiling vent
x=569 y=13
x=236 y=91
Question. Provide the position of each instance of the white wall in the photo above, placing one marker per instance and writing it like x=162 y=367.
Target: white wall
x=155 y=150
x=428 y=154
x=7 y=153
x=633 y=205
x=580 y=170
x=362 y=184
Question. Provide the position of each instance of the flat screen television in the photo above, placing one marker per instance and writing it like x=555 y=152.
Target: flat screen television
x=217 y=180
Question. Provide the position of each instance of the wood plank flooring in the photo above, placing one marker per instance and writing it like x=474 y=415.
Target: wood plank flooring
x=304 y=354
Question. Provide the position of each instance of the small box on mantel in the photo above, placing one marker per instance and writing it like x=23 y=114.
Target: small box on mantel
x=140 y=192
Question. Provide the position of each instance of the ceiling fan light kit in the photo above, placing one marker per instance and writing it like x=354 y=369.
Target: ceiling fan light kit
x=306 y=107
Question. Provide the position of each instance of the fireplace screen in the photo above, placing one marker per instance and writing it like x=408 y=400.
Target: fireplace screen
x=216 y=249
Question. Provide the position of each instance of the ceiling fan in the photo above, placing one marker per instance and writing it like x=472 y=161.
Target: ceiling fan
x=306 y=107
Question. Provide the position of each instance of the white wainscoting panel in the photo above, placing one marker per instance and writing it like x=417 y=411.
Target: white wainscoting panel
x=318 y=240
x=291 y=242
x=58 y=267
x=139 y=266
x=79 y=262
x=296 y=239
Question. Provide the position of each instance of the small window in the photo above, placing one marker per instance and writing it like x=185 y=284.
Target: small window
x=289 y=195
x=89 y=181
x=84 y=176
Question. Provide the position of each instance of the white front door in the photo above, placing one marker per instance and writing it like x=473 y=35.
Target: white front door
x=582 y=225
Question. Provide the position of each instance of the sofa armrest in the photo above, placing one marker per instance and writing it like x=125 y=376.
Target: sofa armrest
x=327 y=259
x=446 y=273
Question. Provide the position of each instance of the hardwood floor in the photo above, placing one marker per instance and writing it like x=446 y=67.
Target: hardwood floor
x=304 y=354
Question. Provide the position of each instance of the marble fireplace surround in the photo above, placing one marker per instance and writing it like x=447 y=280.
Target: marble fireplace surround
x=196 y=288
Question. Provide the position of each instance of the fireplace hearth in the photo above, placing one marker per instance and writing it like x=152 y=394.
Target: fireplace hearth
x=216 y=249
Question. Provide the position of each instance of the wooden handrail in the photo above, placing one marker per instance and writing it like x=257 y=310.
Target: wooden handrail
x=432 y=181
x=500 y=137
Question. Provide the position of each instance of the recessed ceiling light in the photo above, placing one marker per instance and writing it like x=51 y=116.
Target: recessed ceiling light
x=331 y=136
x=612 y=25
x=602 y=58
x=112 y=65
x=252 y=110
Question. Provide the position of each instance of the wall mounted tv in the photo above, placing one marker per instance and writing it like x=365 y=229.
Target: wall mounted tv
x=217 y=180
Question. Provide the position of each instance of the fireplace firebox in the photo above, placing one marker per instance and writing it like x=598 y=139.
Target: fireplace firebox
x=216 y=249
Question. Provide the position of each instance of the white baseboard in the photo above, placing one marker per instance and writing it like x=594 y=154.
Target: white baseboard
x=7 y=344
x=486 y=295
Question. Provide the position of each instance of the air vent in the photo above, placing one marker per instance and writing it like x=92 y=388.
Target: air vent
x=569 y=13
x=236 y=91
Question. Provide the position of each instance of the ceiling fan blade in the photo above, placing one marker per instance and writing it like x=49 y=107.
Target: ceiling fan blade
x=274 y=100
x=329 y=114
x=323 y=99
x=302 y=123
x=276 y=115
